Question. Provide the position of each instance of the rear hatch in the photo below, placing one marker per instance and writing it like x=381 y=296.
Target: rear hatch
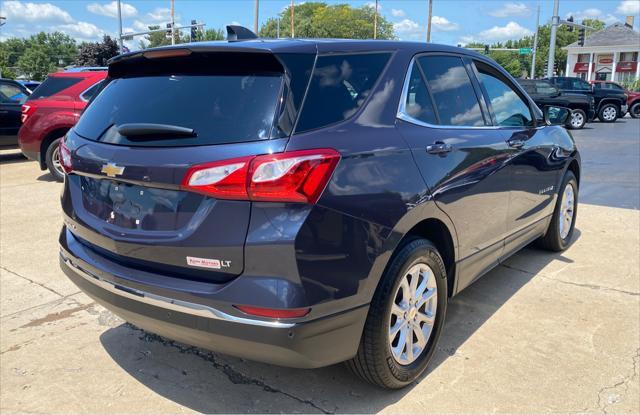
x=156 y=117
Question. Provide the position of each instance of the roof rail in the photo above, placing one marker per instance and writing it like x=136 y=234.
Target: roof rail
x=237 y=33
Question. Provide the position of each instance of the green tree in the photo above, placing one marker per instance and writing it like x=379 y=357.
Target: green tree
x=210 y=34
x=38 y=55
x=36 y=63
x=319 y=20
x=97 y=54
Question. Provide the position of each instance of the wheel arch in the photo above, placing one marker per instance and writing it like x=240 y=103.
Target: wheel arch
x=47 y=140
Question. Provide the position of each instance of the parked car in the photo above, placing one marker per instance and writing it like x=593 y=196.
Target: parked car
x=12 y=95
x=633 y=98
x=52 y=109
x=609 y=104
x=545 y=93
x=308 y=202
x=30 y=85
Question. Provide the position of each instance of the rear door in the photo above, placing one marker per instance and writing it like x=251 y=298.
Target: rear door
x=460 y=155
x=533 y=162
x=125 y=198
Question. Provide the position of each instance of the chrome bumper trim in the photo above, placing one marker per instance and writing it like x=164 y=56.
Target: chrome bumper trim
x=171 y=303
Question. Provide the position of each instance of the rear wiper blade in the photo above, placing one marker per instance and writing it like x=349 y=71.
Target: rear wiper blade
x=153 y=131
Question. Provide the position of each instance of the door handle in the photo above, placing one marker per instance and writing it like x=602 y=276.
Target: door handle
x=439 y=148
x=516 y=143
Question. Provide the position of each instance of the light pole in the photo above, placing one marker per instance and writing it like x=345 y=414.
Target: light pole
x=293 y=32
x=120 y=27
x=173 y=23
x=555 y=21
x=429 y=21
x=535 y=46
x=255 y=16
x=375 y=22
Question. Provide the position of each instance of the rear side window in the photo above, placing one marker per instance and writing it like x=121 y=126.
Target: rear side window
x=418 y=103
x=89 y=93
x=220 y=108
x=453 y=94
x=11 y=94
x=52 y=85
x=545 y=88
x=528 y=86
x=338 y=87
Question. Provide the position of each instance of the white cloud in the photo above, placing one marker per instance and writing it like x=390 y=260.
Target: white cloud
x=511 y=30
x=408 y=29
x=398 y=13
x=111 y=9
x=372 y=4
x=592 y=13
x=82 y=30
x=442 y=24
x=160 y=15
x=17 y=11
x=511 y=9
x=628 y=7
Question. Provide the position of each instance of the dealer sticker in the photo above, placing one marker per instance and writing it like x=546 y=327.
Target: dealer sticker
x=207 y=262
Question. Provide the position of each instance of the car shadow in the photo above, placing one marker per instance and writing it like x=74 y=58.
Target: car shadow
x=205 y=381
x=46 y=177
x=12 y=157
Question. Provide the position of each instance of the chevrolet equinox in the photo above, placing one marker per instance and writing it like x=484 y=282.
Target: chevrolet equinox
x=308 y=202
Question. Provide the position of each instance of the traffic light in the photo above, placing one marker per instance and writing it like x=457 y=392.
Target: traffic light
x=581 y=36
x=570 y=28
x=168 y=30
x=486 y=49
x=194 y=30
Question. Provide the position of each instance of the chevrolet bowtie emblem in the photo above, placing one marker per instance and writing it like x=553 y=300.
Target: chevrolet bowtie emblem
x=112 y=170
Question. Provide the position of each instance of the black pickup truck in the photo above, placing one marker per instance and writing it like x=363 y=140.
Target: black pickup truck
x=609 y=103
x=544 y=93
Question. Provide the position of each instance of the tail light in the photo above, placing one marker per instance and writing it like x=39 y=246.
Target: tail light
x=27 y=111
x=65 y=157
x=296 y=176
x=273 y=312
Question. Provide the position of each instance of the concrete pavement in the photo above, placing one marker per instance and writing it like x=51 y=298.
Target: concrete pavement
x=541 y=333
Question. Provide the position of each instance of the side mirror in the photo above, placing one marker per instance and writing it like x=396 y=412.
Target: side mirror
x=555 y=115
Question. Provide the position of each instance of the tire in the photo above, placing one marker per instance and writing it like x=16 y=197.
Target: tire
x=375 y=361
x=634 y=111
x=609 y=113
x=578 y=119
x=52 y=158
x=558 y=238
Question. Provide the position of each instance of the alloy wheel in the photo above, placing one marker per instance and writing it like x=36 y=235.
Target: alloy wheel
x=609 y=113
x=413 y=314
x=576 y=120
x=566 y=211
x=55 y=159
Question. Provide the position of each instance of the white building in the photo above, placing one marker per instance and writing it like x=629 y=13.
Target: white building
x=610 y=54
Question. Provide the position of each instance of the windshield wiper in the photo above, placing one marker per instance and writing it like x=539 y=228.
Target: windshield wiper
x=154 y=131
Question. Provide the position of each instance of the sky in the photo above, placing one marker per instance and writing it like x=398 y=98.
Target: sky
x=454 y=21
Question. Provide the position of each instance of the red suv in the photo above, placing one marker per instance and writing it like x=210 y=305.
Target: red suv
x=52 y=109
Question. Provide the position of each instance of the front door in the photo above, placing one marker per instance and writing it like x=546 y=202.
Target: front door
x=460 y=156
x=534 y=162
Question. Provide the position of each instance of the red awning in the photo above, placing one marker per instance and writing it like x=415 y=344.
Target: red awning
x=581 y=67
x=626 y=66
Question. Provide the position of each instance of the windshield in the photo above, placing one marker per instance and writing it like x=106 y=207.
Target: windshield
x=221 y=108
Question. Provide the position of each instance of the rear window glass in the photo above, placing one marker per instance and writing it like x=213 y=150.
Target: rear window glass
x=339 y=86
x=52 y=86
x=221 y=108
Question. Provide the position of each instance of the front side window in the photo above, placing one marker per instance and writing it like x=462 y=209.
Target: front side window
x=453 y=94
x=418 y=103
x=11 y=94
x=580 y=85
x=509 y=108
x=339 y=86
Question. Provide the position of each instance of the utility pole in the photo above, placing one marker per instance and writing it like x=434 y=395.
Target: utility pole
x=255 y=17
x=293 y=32
x=173 y=24
x=278 y=29
x=375 y=22
x=535 y=47
x=120 y=26
x=555 y=21
x=429 y=21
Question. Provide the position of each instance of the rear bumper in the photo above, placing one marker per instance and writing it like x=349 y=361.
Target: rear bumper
x=311 y=344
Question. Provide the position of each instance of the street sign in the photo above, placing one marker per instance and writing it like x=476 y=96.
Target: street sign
x=525 y=51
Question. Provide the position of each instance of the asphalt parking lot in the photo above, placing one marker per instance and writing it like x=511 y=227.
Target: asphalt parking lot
x=541 y=333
